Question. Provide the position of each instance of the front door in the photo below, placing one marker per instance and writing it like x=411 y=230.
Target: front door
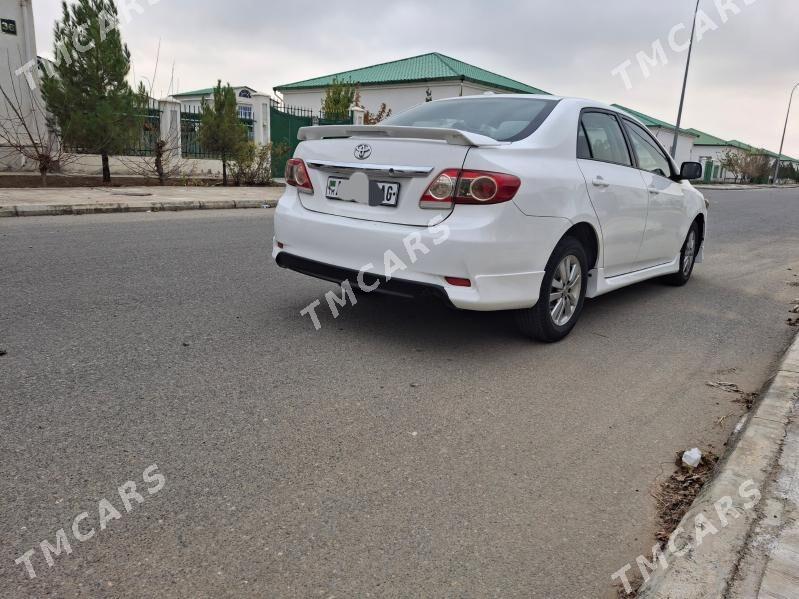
x=666 y=223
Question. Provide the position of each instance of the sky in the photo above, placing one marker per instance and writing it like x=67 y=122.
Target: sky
x=745 y=59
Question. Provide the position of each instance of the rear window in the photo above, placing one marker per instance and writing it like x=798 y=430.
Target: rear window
x=502 y=119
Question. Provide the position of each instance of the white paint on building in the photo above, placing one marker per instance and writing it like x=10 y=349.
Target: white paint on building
x=17 y=49
x=398 y=97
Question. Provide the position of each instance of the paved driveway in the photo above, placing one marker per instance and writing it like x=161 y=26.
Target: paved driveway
x=402 y=450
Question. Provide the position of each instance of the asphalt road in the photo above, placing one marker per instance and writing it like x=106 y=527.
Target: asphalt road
x=403 y=450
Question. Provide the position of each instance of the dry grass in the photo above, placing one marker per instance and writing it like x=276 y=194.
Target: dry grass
x=677 y=493
x=673 y=498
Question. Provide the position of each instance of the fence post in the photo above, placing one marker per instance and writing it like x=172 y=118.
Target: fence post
x=260 y=112
x=170 y=128
x=357 y=114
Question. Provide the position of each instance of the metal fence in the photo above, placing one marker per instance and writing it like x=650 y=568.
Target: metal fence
x=190 y=147
x=190 y=124
x=285 y=121
x=145 y=144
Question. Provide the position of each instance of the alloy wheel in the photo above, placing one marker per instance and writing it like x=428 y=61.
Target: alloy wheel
x=688 y=254
x=564 y=293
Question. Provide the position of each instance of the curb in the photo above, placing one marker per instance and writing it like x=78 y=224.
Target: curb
x=742 y=187
x=707 y=568
x=111 y=207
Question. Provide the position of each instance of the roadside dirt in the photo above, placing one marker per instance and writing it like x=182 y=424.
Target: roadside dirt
x=673 y=498
x=677 y=493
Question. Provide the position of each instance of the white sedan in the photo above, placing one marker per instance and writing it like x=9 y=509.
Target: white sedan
x=496 y=202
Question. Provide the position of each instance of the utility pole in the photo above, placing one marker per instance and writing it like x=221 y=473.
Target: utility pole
x=784 y=131
x=684 y=83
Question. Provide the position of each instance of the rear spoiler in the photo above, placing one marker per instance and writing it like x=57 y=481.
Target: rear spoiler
x=451 y=136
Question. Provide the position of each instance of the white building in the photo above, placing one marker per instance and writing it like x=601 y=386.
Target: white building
x=17 y=49
x=402 y=84
x=710 y=151
x=250 y=104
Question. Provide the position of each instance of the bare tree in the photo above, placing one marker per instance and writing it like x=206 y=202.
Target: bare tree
x=756 y=165
x=160 y=158
x=26 y=128
x=373 y=118
x=732 y=162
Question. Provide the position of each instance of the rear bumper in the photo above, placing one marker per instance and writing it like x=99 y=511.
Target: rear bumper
x=337 y=274
x=500 y=250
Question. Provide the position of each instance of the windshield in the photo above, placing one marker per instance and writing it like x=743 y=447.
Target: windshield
x=502 y=119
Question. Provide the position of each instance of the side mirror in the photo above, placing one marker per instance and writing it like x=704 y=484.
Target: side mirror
x=691 y=171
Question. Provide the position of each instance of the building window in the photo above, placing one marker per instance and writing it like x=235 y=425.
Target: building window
x=245 y=111
x=245 y=93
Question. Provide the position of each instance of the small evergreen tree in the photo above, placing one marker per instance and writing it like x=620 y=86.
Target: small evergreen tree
x=339 y=96
x=86 y=90
x=221 y=131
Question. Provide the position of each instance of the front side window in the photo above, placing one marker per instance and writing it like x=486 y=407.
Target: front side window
x=650 y=157
x=605 y=138
x=502 y=119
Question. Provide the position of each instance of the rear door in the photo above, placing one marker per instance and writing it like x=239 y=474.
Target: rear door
x=615 y=187
x=376 y=179
x=667 y=220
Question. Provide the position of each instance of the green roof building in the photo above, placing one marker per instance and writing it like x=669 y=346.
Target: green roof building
x=404 y=83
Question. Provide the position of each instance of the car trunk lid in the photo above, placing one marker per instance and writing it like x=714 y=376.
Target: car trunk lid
x=379 y=173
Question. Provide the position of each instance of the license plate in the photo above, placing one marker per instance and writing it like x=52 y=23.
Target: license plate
x=380 y=193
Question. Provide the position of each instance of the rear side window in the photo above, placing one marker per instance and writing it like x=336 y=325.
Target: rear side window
x=503 y=119
x=605 y=138
x=650 y=157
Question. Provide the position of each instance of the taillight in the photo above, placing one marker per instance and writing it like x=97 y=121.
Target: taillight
x=297 y=175
x=441 y=191
x=455 y=186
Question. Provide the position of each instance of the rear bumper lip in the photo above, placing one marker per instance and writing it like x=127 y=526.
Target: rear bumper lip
x=338 y=274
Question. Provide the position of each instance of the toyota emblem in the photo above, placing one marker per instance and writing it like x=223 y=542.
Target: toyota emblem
x=363 y=151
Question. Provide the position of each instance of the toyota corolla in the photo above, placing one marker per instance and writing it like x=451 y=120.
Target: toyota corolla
x=545 y=201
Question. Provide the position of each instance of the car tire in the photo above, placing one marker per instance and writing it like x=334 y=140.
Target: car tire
x=688 y=252
x=552 y=318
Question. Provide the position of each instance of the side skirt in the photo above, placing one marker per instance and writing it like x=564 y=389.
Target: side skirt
x=598 y=284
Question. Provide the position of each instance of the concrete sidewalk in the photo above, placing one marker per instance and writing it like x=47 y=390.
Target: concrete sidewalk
x=91 y=200
x=752 y=552
x=770 y=565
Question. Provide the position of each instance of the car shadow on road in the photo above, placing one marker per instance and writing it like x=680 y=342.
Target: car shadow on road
x=409 y=322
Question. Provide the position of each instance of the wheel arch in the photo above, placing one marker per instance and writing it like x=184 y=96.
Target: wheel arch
x=585 y=233
x=700 y=220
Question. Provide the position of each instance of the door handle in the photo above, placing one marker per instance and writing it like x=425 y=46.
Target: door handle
x=654 y=191
x=599 y=182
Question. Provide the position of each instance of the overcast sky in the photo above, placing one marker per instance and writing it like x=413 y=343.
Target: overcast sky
x=742 y=69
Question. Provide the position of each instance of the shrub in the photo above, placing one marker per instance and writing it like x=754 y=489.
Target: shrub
x=252 y=164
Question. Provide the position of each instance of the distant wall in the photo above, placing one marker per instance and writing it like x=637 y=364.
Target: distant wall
x=91 y=164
